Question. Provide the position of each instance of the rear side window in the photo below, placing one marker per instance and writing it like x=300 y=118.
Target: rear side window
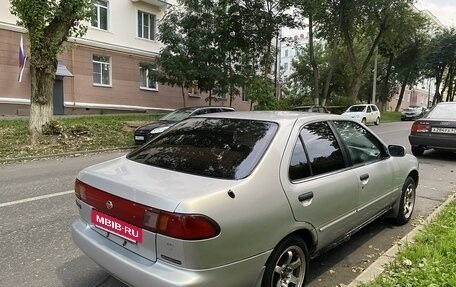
x=213 y=147
x=316 y=152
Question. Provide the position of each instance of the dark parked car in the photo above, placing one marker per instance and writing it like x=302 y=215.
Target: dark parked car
x=151 y=130
x=413 y=113
x=436 y=130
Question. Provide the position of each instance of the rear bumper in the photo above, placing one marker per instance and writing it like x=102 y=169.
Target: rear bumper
x=437 y=142
x=137 y=271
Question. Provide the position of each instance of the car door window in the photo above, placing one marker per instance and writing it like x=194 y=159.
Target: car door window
x=362 y=146
x=323 y=151
x=299 y=165
x=368 y=110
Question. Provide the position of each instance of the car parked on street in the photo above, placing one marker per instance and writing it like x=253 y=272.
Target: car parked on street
x=436 y=130
x=413 y=113
x=151 y=130
x=364 y=113
x=239 y=199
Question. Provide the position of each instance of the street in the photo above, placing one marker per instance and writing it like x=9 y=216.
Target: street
x=37 y=207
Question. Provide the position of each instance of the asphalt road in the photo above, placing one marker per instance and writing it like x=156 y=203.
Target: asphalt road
x=37 y=207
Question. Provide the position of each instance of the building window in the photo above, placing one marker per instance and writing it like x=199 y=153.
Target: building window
x=286 y=52
x=285 y=67
x=100 y=14
x=148 y=82
x=146 y=25
x=101 y=70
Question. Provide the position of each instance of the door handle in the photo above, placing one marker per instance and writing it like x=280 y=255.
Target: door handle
x=305 y=196
x=364 y=177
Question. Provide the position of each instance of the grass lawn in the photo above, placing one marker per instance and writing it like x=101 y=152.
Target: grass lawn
x=71 y=134
x=391 y=117
x=428 y=262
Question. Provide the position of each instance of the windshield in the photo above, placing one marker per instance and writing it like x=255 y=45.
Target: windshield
x=213 y=147
x=177 y=115
x=446 y=111
x=356 y=109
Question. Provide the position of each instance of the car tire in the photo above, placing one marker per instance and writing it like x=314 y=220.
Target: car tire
x=377 y=121
x=288 y=264
x=407 y=203
x=417 y=151
x=363 y=121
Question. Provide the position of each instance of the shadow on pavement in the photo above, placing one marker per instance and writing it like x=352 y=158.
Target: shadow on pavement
x=82 y=272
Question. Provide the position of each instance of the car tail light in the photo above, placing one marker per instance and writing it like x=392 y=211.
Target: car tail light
x=418 y=127
x=176 y=225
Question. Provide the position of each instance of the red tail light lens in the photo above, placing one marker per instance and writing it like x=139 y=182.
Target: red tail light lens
x=176 y=225
x=419 y=128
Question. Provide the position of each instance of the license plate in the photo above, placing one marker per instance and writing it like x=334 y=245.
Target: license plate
x=118 y=227
x=444 y=130
x=139 y=138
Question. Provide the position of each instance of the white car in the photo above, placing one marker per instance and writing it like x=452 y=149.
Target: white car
x=364 y=113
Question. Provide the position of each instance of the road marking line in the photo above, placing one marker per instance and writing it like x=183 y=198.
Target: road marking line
x=35 y=198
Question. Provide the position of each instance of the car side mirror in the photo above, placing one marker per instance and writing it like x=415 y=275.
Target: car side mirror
x=396 y=150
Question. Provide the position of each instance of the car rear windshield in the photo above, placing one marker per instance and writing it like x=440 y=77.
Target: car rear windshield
x=445 y=111
x=213 y=147
x=178 y=115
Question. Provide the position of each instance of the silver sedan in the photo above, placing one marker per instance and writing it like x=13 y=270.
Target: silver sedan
x=239 y=199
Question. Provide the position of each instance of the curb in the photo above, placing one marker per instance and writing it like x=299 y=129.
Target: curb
x=377 y=267
x=57 y=155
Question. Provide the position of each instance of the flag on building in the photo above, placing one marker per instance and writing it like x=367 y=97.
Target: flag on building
x=22 y=60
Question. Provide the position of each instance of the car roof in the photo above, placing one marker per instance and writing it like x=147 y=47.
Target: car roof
x=275 y=116
x=446 y=103
x=204 y=107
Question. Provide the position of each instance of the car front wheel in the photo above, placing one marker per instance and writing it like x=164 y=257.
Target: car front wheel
x=407 y=204
x=288 y=264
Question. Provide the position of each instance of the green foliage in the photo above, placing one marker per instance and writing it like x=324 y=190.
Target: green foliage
x=219 y=45
x=50 y=23
x=261 y=92
x=429 y=261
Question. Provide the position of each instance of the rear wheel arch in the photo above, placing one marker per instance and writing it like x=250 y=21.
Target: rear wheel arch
x=289 y=261
x=414 y=174
x=308 y=236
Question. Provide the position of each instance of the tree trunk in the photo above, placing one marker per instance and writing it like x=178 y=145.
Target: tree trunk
x=183 y=94
x=313 y=62
x=355 y=87
x=384 y=96
x=401 y=94
x=41 y=108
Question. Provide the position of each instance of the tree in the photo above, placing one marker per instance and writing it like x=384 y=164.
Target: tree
x=49 y=24
x=440 y=59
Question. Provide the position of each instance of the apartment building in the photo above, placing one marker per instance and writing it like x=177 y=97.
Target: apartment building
x=104 y=71
x=290 y=47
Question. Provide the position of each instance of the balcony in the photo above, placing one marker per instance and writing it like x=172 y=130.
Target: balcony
x=158 y=3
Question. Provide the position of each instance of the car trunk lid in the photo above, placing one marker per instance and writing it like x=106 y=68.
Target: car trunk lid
x=131 y=212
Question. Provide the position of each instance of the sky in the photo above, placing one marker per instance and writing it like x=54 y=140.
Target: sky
x=444 y=10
